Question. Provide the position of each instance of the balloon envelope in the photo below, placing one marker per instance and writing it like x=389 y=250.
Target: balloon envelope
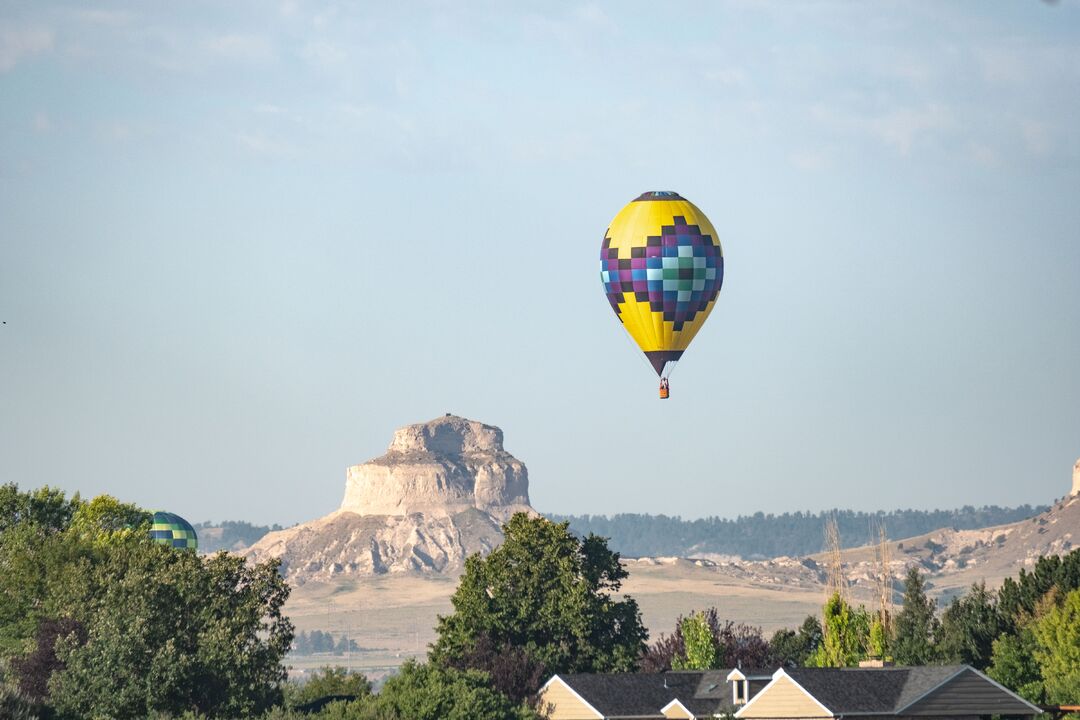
x=170 y=529
x=662 y=267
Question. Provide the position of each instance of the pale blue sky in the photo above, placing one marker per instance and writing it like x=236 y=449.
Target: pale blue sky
x=241 y=242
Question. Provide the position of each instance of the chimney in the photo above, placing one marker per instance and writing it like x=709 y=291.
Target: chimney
x=875 y=663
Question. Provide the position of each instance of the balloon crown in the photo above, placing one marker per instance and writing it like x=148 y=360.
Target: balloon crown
x=658 y=195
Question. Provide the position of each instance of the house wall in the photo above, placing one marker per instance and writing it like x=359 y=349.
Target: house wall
x=562 y=704
x=784 y=699
x=968 y=694
x=679 y=712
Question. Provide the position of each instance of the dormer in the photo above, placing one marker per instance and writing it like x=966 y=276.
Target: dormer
x=740 y=687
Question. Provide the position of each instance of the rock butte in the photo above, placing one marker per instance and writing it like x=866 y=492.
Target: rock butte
x=438 y=495
x=440 y=467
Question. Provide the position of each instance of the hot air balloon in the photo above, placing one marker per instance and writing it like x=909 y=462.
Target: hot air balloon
x=662 y=266
x=173 y=530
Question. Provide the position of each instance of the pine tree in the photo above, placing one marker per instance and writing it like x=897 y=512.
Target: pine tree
x=915 y=624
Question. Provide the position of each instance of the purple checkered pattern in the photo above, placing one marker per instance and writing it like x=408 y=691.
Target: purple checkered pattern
x=678 y=272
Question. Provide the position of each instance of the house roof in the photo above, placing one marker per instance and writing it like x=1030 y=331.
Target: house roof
x=626 y=695
x=713 y=684
x=848 y=691
x=890 y=690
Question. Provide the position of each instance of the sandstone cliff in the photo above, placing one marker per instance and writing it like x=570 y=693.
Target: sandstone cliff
x=439 y=494
x=440 y=468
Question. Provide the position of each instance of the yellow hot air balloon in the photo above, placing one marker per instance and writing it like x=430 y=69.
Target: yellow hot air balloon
x=662 y=267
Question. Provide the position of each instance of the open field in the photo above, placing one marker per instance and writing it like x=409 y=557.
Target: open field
x=393 y=617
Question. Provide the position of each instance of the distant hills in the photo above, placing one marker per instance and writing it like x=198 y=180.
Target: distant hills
x=750 y=536
x=956 y=558
x=229 y=535
x=442 y=489
x=761 y=535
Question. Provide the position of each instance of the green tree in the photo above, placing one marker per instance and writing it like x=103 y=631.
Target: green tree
x=702 y=652
x=432 y=692
x=1057 y=649
x=547 y=592
x=46 y=508
x=878 y=643
x=846 y=635
x=1019 y=598
x=176 y=633
x=32 y=671
x=793 y=648
x=98 y=620
x=329 y=681
x=1013 y=665
x=512 y=670
x=13 y=706
x=107 y=520
x=43 y=572
x=915 y=625
x=968 y=628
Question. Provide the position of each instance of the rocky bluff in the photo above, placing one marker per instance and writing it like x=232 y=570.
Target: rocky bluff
x=441 y=467
x=439 y=494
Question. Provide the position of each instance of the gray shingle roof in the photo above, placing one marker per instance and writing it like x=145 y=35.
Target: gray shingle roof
x=857 y=691
x=631 y=694
x=702 y=692
x=844 y=691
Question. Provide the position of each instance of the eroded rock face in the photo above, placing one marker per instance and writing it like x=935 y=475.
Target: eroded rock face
x=439 y=494
x=347 y=544
x=440 y=467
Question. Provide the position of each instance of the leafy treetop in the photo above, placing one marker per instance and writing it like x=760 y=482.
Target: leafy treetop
x=549 y=594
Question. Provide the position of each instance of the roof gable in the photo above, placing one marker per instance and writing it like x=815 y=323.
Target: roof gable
x=555 y=690
x=702 y=693
x=676 y=709
x=784 y=697
x=910 y=691
x=632 y=694
x=968 y=692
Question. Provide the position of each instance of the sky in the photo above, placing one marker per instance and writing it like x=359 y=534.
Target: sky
x=242 y=242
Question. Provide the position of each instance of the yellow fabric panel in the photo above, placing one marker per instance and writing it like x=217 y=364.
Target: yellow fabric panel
x=651 y=332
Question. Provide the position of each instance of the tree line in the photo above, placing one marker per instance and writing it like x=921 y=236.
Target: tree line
x=98 y=621
x=1026 y=635
x=761 y=535
x=318 y=641
x=764 y=535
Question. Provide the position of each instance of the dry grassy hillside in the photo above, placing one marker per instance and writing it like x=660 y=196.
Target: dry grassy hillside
x=393 y=616
x=954 y=559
